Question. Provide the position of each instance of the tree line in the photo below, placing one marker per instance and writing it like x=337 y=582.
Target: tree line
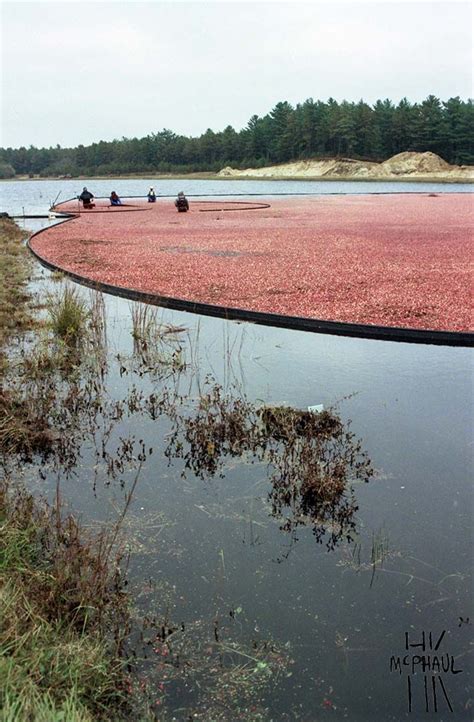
x=312 y=129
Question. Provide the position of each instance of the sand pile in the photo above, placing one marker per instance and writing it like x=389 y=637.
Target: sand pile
x=401 y=166
x=410 y=162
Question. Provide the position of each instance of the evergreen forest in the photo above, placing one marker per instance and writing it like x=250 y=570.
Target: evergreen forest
x=312 y=129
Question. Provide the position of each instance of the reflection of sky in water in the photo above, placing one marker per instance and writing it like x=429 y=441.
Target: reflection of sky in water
x=36 y=196
x=214 y=539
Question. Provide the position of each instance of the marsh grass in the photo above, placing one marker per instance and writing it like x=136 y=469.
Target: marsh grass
x=15 y=270
x=359 y=559
x=63 y=615
x=156 y=345
x=41 y=707
x=380 y=551
x=68 y=315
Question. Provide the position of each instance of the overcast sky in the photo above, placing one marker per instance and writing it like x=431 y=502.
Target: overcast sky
x=79 y=72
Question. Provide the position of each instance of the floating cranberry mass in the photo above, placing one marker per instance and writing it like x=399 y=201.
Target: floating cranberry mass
x=392 y=260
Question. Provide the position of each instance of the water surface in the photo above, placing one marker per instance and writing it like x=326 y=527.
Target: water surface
x=36 y=196
x=206 y=549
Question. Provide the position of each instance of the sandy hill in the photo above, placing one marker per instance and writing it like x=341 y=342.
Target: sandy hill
x=424 y=166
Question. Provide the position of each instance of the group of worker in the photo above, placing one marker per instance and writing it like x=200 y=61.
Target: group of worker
x=87 y=197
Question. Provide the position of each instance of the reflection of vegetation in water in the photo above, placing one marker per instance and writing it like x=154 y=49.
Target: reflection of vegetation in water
x=55 y=398
x=55 y=393
x=313 y=475
x=59 y=397
x=156 y=345
x=45 y=401
x=312 y=458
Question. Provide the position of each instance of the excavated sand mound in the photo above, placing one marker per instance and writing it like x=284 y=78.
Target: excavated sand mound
x=403 y=165
x=410 y=162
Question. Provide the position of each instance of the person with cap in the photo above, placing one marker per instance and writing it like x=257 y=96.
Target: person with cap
x=86 y=197
x=151 y=196
x=181 y=203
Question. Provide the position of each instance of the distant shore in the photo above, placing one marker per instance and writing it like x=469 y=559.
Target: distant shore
x=215 y=177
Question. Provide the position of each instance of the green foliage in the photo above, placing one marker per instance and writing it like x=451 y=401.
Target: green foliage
x=309 y=130
x=60 y=598
x=6 y=170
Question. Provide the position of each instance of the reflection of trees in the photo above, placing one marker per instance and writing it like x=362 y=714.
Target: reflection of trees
x=313 y=459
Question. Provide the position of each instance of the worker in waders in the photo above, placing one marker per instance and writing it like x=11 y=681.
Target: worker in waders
x=181 y=203
x=86 y=197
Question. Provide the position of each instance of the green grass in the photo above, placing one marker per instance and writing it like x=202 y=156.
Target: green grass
x=62 y=616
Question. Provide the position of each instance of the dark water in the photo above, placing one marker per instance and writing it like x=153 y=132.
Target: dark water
x=206 y=551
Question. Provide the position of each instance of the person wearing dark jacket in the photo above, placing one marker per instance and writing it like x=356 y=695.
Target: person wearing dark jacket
x=181 y=203
x=114 y=199
x=151 y=196
x=86 y=197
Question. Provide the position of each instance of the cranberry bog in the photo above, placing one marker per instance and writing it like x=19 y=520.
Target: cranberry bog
x=398 y=260
x=287 y=559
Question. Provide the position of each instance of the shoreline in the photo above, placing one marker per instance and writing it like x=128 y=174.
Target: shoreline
x=215 y=177
x=67 y=662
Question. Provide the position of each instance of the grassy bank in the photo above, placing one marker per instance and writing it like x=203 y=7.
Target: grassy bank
x=59 y=594
x=63 y=611
x=15 y=270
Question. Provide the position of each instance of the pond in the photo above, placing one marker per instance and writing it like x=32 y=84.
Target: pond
x=36 y=196
x=275 y=608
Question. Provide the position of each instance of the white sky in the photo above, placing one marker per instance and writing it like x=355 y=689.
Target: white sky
x=79 y=72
